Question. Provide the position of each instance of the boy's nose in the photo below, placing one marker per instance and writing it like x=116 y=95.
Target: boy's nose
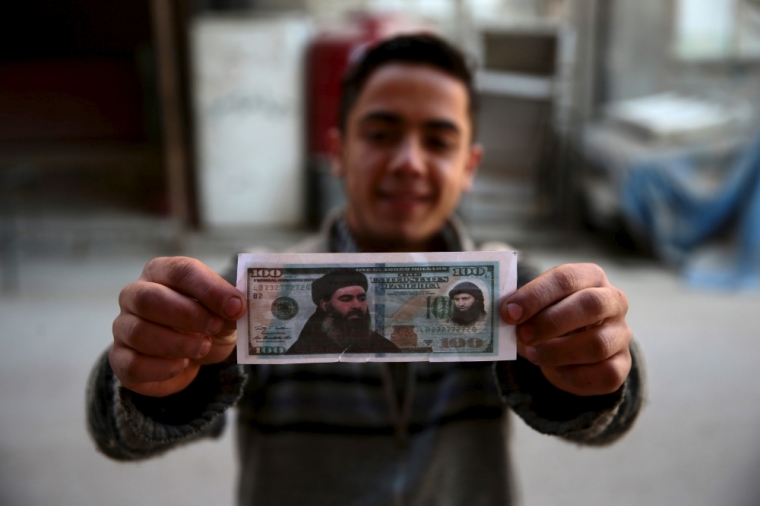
x=408 y=157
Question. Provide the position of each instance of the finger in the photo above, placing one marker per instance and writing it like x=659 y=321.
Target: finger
x=591 y=346
x=133 y=368
x=229 y=327
x=192 y=278
x=168 y=387
x=550 y=287
x=578 y=310
x=219 y=352
x=162 y=305
x=595 y=379
x=157 y=340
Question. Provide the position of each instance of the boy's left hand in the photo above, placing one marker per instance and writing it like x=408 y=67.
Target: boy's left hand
x=571 y=323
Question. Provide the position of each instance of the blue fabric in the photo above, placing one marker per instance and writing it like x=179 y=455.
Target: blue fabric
x=661 y=201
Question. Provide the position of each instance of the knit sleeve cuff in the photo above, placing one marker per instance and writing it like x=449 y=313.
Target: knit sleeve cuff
x=594 y=420
x=130 y=426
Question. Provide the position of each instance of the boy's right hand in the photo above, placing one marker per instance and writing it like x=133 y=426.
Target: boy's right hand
x=178 y=316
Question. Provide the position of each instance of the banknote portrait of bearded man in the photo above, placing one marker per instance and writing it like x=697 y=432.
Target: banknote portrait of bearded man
x=469 y=307
x=341 y=322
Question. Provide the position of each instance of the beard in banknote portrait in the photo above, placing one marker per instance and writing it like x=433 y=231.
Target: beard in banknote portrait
x=468 y=304
x=340 y=326
x=341 y=322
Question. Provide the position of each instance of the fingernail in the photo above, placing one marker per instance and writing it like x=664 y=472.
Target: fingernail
x=205 y=348
x=232 y=307
x=215 y=324
x=525 y=333
x=514 y=311
x=531 y=354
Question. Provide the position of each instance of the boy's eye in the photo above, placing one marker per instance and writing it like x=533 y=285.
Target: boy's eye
x=439 y=143
x=378 y=135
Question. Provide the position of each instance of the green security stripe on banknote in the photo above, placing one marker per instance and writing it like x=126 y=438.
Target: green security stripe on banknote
x=385 y=309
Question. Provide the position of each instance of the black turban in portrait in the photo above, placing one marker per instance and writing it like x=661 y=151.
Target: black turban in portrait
x=468 y=288
x=324 y=287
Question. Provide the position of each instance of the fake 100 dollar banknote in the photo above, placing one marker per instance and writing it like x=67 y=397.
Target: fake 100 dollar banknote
x=317 y=307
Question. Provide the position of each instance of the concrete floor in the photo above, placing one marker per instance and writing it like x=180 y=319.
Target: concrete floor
x=697 y=442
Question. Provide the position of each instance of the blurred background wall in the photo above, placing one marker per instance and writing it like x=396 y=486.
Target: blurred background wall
x=78 y=91
x=172 y=113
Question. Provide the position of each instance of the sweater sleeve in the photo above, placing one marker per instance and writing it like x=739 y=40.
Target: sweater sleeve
x=129 y=426
x=594 y=420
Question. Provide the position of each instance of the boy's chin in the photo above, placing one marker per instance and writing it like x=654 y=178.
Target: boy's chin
x=408 y=233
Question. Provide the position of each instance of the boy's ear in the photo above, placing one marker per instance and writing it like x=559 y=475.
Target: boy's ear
x=471 y=168
x=335 y=144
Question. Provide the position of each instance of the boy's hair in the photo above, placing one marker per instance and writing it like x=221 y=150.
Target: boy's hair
x=422 y=49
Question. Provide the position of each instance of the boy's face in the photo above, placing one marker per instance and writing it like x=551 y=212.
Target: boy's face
x=406 y=155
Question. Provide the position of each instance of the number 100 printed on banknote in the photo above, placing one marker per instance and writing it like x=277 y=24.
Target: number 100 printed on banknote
x=318 y=307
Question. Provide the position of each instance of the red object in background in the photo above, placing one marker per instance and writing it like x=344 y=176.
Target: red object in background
x=71 y=100
x=327 y=60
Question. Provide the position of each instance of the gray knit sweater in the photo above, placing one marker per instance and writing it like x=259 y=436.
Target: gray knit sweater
x=362 y=434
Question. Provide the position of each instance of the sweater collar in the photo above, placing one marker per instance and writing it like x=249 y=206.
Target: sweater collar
x=451 y=237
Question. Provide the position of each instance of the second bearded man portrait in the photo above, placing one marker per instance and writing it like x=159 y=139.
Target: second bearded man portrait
x=468 y=304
